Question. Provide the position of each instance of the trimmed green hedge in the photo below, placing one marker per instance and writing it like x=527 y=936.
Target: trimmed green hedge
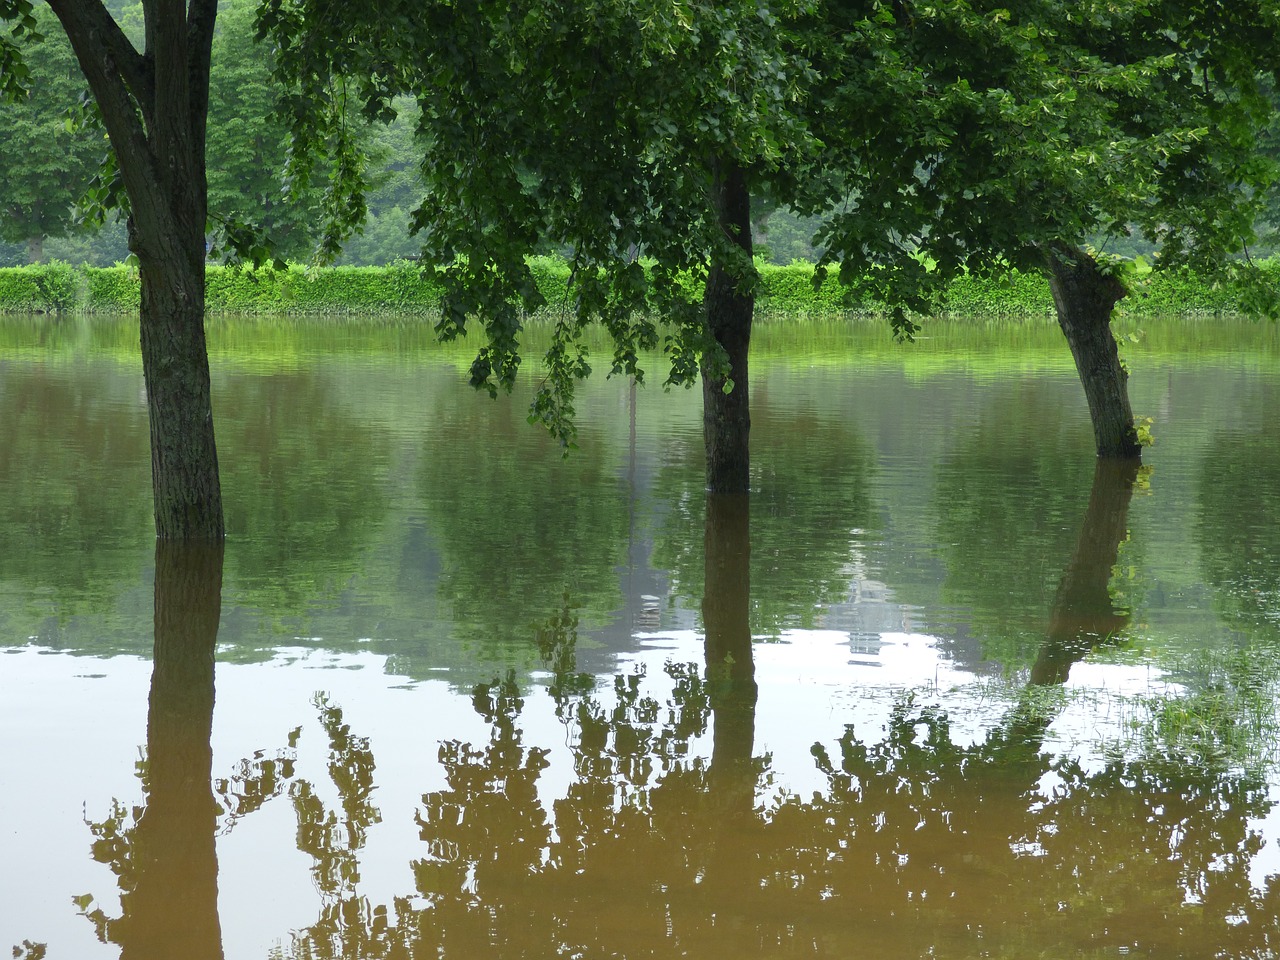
x=403 y=288
x=53 y=287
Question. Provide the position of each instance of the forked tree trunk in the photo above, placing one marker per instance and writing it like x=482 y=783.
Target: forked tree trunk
x=1084 y=298
x=730 y=303
x=155 y=108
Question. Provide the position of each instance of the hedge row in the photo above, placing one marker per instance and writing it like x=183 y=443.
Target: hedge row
x=404 y=289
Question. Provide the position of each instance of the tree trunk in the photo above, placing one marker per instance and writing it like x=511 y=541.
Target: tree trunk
x=155 y=108
x=1084 y=297
x=730 y=303
x=35 y=249
x=1083 y=614
x=171 y=905
x=175 y=363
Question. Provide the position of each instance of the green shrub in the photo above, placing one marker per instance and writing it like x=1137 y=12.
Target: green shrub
x=52 y=287
x=112 y=289
x=404 y=287
x=1182 y=293
x=1014 y=294
x=19 y=291
x=790 y=290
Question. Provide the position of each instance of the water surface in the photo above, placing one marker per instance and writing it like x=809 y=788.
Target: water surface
x=941 y=688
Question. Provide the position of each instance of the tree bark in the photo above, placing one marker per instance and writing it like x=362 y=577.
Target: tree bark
x=184 y=459
x=155 y=109
x=730 y=304
x=35 y=249
x=1084 y=298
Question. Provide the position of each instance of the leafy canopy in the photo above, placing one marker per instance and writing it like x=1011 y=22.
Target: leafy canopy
x=934 y=138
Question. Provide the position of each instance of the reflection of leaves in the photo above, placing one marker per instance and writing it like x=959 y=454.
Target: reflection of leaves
x=970 y=827
x=917 y=845
x=810 y=507
x=304 y=485
x=332 y=843
x=1239 y=528
x=64 y=445
x=557 y=642
x=255 y=781
x=347 y=926
x=516 y=524
x=1009 y=510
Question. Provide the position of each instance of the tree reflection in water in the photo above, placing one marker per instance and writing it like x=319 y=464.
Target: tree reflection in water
x=163 y=852
x=919 y=845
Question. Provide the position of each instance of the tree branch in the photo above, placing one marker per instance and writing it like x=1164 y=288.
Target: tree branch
x=201 y=15
x=132 y=67
x=120 y=78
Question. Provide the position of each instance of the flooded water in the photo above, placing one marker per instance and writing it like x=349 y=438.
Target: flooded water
x=938 y=688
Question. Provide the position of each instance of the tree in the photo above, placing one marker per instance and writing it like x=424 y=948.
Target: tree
x=154 y=106
x=247 y=144
x=44 y=166
x=610 y=133
x=1010 y=134
x=935 y=139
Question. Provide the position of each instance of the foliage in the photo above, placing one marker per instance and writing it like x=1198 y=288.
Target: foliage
x=248 y=144
x=100 y=246
x=44 y=164
x=782 y=236
x=606 y=146
x=931 y=142
x=1004 y=131
x=405 y=287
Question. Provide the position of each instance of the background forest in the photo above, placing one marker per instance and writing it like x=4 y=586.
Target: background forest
x=47 y=155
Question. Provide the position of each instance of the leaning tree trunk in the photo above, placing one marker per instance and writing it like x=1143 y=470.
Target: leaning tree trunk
x=1084 y=297
x=155 y=107
x=730 y=303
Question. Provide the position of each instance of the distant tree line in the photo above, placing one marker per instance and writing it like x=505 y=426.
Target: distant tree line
x=47 y=162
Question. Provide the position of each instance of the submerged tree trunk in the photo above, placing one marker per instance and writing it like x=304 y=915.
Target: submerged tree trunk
x=730 y=303
x=175 y=363
x=1084 y=297
x=155 y=108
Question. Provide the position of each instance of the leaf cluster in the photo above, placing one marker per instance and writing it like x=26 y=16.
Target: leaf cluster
x=971 y=136
x=935 y=141
x=593 y=130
